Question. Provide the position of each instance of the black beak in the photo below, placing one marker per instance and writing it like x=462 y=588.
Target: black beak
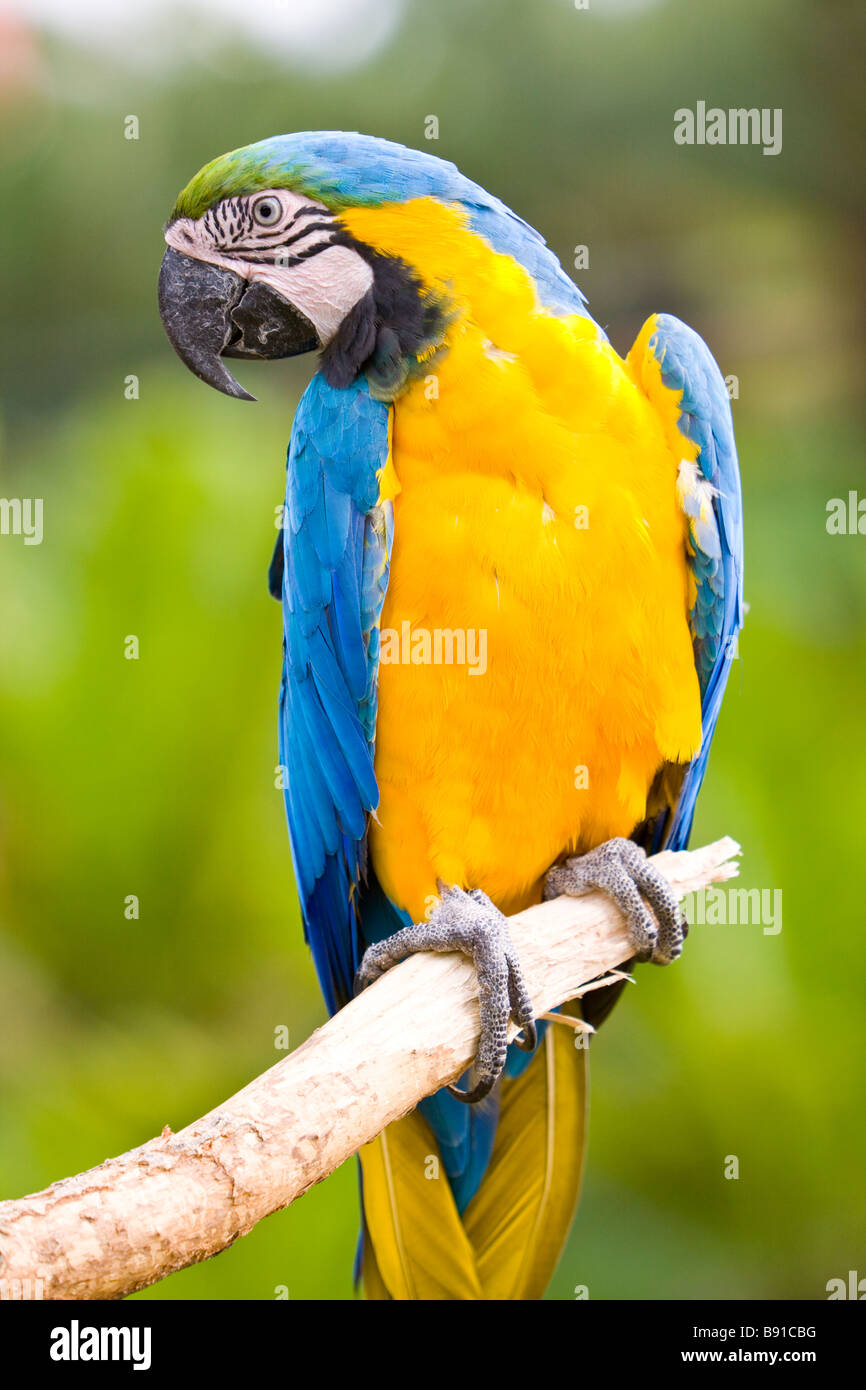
x=209 y=313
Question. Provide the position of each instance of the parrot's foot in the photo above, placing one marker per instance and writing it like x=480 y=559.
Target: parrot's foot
x=468 y=922
x=620 y=869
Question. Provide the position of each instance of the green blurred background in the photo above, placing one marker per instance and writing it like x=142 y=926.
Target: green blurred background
x=155 y=776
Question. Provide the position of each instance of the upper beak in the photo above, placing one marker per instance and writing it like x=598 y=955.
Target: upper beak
x=210 y=313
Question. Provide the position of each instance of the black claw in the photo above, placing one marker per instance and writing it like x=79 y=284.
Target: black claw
x=529 y=1042
x=477 y=1093
x=360 y=982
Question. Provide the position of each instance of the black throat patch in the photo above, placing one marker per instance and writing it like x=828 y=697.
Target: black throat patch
x=398 y=320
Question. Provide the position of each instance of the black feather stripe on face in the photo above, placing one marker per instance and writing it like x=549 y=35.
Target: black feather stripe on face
x=230 y=225
x=384 y=335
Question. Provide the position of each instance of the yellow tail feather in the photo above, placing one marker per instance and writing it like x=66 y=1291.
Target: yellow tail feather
x=371 y=1280
x=520 y=1218
x=418 y=1243
x=513 y=1231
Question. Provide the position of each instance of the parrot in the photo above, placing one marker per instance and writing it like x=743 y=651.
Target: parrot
x=510 y=567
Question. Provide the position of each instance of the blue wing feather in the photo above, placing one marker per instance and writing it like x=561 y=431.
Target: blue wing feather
x=332 y=548
x=716 y=550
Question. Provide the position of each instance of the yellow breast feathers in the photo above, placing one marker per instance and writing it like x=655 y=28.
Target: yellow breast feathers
x=537 y=665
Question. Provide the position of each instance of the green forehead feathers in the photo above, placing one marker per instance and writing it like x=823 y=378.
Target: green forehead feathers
x=251 y=169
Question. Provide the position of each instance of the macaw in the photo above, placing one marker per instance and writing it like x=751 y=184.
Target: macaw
x=472 y=468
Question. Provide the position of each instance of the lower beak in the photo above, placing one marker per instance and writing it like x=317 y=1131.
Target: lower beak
x=210 y=313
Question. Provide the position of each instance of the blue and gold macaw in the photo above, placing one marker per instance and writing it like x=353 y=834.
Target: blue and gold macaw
x=511 y=580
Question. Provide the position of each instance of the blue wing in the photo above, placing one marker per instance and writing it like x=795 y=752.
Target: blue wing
x=711 y=497
x=336 y=551
x=337 y=543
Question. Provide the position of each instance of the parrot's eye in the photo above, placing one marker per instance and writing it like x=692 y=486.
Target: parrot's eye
x=267 y=212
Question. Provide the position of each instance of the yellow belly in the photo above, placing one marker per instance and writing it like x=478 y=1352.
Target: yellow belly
x=550 y=557
x=534 y=490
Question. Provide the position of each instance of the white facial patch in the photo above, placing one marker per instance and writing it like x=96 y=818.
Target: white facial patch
x=285 y=241
x=324 y=288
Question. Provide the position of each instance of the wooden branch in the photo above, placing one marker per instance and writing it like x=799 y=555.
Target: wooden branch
x=181 y=1198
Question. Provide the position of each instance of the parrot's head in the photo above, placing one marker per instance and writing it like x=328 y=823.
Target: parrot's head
x=273 y=251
